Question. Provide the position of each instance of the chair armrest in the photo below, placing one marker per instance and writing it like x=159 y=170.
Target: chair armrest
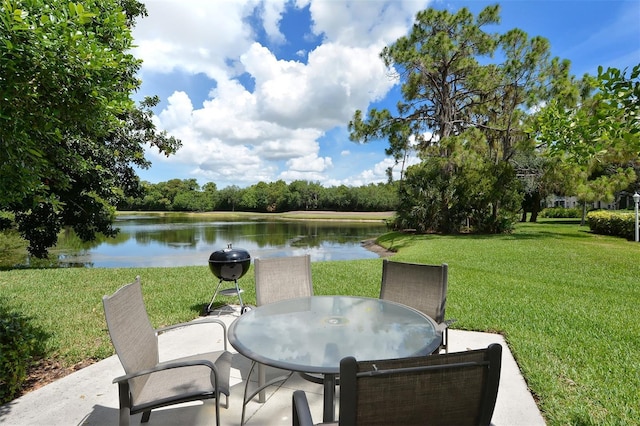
x=203 y=321
x=301 y=415
x=167 y=366
x=445 y=324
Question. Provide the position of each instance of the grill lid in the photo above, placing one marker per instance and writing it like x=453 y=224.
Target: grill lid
x=229 y=255
x=229 y=264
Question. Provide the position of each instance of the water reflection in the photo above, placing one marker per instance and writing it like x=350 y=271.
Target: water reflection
x=146 y=241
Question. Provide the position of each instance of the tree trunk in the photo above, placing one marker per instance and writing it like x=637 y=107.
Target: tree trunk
x=535 y=206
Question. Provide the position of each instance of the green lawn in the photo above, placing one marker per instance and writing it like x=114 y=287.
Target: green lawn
x=567 y=301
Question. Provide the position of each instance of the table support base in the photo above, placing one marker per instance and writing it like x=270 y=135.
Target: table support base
x=261 y=386
x=329 y=410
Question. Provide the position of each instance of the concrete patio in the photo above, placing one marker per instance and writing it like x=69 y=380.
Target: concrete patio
x=88 y=397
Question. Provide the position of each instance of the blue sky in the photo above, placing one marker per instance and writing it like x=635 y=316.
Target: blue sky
x=264 y=90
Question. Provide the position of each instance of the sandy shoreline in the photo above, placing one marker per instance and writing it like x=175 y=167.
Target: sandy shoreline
x=376 y=248
x=289 y=215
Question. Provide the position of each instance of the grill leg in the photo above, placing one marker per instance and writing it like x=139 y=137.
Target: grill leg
x=239 y=297
x=214 y=296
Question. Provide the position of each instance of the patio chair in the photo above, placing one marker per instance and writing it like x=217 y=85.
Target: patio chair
x=149 y=383
x=422 y=287
x=454 y=389
x=277 y=278
x=282 y=278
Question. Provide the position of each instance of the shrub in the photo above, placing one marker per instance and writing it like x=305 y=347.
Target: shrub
x=561 y=212
x=619 y=224
x=21 y=343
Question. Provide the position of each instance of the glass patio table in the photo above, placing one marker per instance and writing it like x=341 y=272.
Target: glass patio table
x=311 y=335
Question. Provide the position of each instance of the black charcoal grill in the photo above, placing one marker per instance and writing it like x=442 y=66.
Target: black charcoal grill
x=229 y=264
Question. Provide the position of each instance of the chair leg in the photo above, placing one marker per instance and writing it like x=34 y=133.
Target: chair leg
x=218 y=407
x=145 y=416
x=446 y=340
x=125 y=404
x=124 y=416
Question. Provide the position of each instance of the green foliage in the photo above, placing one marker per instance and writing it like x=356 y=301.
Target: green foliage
x=466 y=112
x=600 y=135
x=540 y=177
x=262 y=197
x=69 y=132
x=6 y=220
x=618 y=109
x=12 y=246
x=468 y=194
x=561 y=212
x=618 y=224
x=60 y=62
x=21 y=343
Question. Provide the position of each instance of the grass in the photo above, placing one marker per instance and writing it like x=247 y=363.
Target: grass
x=566 y=301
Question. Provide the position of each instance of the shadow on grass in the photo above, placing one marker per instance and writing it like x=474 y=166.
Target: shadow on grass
x=201 y=308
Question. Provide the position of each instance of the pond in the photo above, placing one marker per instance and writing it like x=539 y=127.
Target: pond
x=157 y=240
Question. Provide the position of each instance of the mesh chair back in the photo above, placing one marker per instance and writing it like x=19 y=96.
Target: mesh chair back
x=282 y=278
x=454 y=389
x=132 y=335
x=423 y=287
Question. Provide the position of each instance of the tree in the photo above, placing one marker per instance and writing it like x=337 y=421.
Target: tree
x=211 y=194
x=541 y=176
x=231 y=197
x=277 y=196
x=304 y=195
x=174 y=187
x=466 y=115
x=69 y=131
x=599 y=136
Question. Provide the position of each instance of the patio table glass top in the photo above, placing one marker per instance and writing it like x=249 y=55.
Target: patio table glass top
x=312 y=334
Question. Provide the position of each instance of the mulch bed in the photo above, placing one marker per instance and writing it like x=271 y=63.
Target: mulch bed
x=49 y=370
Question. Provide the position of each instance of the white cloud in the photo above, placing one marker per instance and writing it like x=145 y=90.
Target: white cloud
x=272 y=14
x=179 y=111
x=309 y=163
x=363 y=23
x=323 y=93
x=377 y=173
x=274 y=129
x=193 y=36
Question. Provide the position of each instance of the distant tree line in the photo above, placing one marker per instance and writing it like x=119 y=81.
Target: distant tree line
x=186 y=195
